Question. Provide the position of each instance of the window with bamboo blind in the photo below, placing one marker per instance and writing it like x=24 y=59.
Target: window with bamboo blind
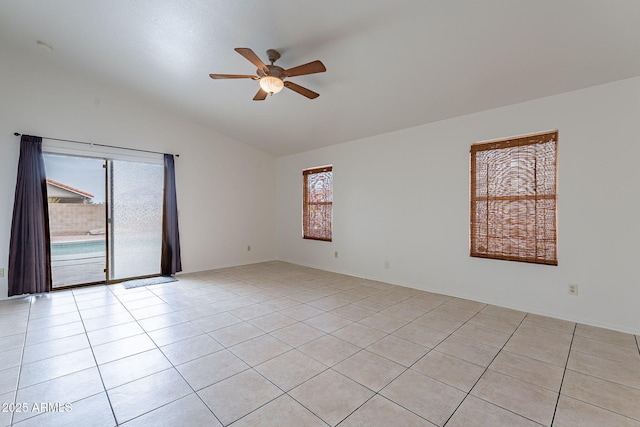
x=317 y=208
x=513 y=199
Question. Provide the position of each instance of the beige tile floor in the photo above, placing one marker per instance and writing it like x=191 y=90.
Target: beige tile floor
x=275 y=344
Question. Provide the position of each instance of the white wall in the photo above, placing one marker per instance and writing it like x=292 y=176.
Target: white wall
x=403 y=197
x=226 y=190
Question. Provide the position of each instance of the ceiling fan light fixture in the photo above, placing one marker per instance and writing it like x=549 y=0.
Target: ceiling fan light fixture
x=271 y=77
x=271 y=84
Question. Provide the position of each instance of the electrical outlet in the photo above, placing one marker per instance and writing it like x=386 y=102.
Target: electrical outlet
x=335 y=254
x=1 y=272
x=249 y=248
x=386 y=264
x=573 y=289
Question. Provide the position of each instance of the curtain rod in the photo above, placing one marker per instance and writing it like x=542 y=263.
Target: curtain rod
x=99 y=145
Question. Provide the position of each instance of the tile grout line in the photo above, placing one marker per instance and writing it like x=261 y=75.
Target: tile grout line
x=165 y=356
x=93 y=353
x=486 y=368
x=331 y=368
x=24 y=344
x=564 y=372
x=77 y=310
x=85 y=333
x=412 y=364
x=319 y=373
x=252 y=368
x=98 y=366
x=94 y=357
x=375 y=393
x=284 y=392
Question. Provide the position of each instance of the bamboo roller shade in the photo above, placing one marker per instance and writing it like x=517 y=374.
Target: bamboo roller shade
x=514 y=198
x=317 y=209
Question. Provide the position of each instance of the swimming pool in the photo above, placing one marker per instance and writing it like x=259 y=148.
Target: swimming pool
x=78 y=247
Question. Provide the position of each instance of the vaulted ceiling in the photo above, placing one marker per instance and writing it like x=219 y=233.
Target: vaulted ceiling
x=390 y=64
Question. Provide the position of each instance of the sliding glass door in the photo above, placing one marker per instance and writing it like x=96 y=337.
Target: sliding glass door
x=105 y=219
x=135 y=219
x=77 y=219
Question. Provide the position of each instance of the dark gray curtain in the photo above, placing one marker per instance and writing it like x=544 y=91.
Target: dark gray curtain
x=29 y=250
x=170 y=262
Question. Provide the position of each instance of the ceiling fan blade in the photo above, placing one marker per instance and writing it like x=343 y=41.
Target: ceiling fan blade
x=253 y=58
x=261 y=95
x=301 y=90
x=309 y=68
x=232 y=76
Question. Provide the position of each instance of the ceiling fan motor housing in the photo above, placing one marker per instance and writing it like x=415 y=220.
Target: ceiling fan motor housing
x=274 y=71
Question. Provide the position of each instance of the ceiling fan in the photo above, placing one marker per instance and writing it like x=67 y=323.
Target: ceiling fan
x=271 y=77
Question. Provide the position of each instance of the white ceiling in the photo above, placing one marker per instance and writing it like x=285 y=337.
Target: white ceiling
x=390 y=64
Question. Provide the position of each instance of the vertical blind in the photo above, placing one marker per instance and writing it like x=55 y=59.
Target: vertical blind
x=317 y=208
x=513 y=199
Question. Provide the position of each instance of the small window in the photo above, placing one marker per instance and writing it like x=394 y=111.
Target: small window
x=513 y=199
x=317 y=208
